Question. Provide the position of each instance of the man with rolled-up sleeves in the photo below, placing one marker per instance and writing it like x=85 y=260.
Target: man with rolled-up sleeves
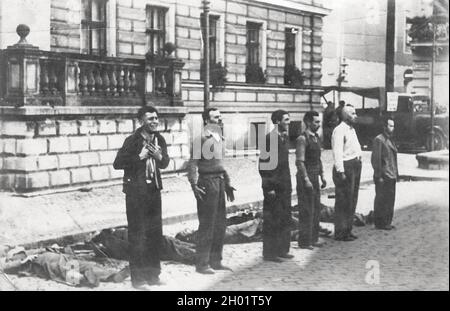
x=346 y=174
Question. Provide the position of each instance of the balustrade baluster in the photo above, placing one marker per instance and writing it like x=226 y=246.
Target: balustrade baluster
x=120 y=80
x=126 y=79
x=83 y=79
x=91 y=79
x=106 y=82
x=113 y=80
x=133 y=82
x=98 y=80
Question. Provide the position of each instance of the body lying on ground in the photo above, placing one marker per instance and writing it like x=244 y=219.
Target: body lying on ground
x=243 y=228
x=113 y=243
x=62 y=268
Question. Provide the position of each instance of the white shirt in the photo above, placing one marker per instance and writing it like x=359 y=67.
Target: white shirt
x=345 y=145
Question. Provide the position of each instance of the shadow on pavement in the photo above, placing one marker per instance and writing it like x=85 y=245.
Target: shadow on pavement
x=414 y=256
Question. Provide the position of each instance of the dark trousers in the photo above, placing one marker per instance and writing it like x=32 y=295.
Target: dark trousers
x=346 y=198
x=383 y=211
x=276 y=224
x=309 y=210
x=144 y=234
x=212 y=221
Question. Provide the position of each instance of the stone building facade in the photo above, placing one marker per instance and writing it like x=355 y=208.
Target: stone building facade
x=355 y=46
x=70 y=93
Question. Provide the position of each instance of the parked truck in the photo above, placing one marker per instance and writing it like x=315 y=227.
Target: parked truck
x=412 y=119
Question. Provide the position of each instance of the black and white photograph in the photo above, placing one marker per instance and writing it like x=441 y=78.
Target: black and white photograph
x=209 y=146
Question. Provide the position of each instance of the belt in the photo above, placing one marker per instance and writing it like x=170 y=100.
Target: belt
x=354 y=159
x=212 y=174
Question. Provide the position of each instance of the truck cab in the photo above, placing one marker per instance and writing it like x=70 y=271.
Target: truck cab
x=411 y=113
x=413 y=123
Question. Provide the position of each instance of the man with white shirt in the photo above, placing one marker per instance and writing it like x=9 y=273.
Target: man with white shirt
x=346 y=174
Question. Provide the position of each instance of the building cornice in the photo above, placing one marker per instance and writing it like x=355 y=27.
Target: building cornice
x=293 y=6
x=48 y=111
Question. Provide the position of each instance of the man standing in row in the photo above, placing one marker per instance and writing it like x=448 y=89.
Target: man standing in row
x=346 y=174
x=385 y=174
x=309 y=168
x=330 y=121
x=141 y=157
x=277 y=189
x=210 y=182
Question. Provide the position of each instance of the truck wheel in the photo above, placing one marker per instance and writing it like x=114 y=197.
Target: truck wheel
x=439 y=141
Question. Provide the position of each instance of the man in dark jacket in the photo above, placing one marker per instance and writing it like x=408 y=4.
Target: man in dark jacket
x=141 y=157
x=277 y=189
x=385 y=174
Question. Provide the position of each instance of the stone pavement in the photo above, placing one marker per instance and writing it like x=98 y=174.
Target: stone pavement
x=33 y=219
x=415 y=256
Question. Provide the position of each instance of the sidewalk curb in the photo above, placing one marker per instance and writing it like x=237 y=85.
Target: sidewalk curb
x=175 y=219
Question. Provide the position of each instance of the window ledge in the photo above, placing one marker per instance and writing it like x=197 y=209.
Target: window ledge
x=266 y=86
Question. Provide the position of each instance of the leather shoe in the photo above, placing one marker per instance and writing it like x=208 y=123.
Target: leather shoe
x=345 y=239
x=306 y=247
x=142 y=286
x=274 y=259
x=221 y=267
x=324 y=231
x=353 y=236
x=205 y=270
x=155 y=281
x=286 y=256
x=388 y=227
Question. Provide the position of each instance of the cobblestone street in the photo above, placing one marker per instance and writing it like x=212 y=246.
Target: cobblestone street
x=415 y=256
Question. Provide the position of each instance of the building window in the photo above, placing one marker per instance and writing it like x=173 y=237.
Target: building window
x=289 y=47
x=156 y=28
x=257 y=134
x=254 y=72
x=93 y=27
x=293 y=76
x=213 y=36
x=253 y=43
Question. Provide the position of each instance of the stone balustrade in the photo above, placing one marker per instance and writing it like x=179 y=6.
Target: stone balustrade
x=63 y=116
x=34 y=77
